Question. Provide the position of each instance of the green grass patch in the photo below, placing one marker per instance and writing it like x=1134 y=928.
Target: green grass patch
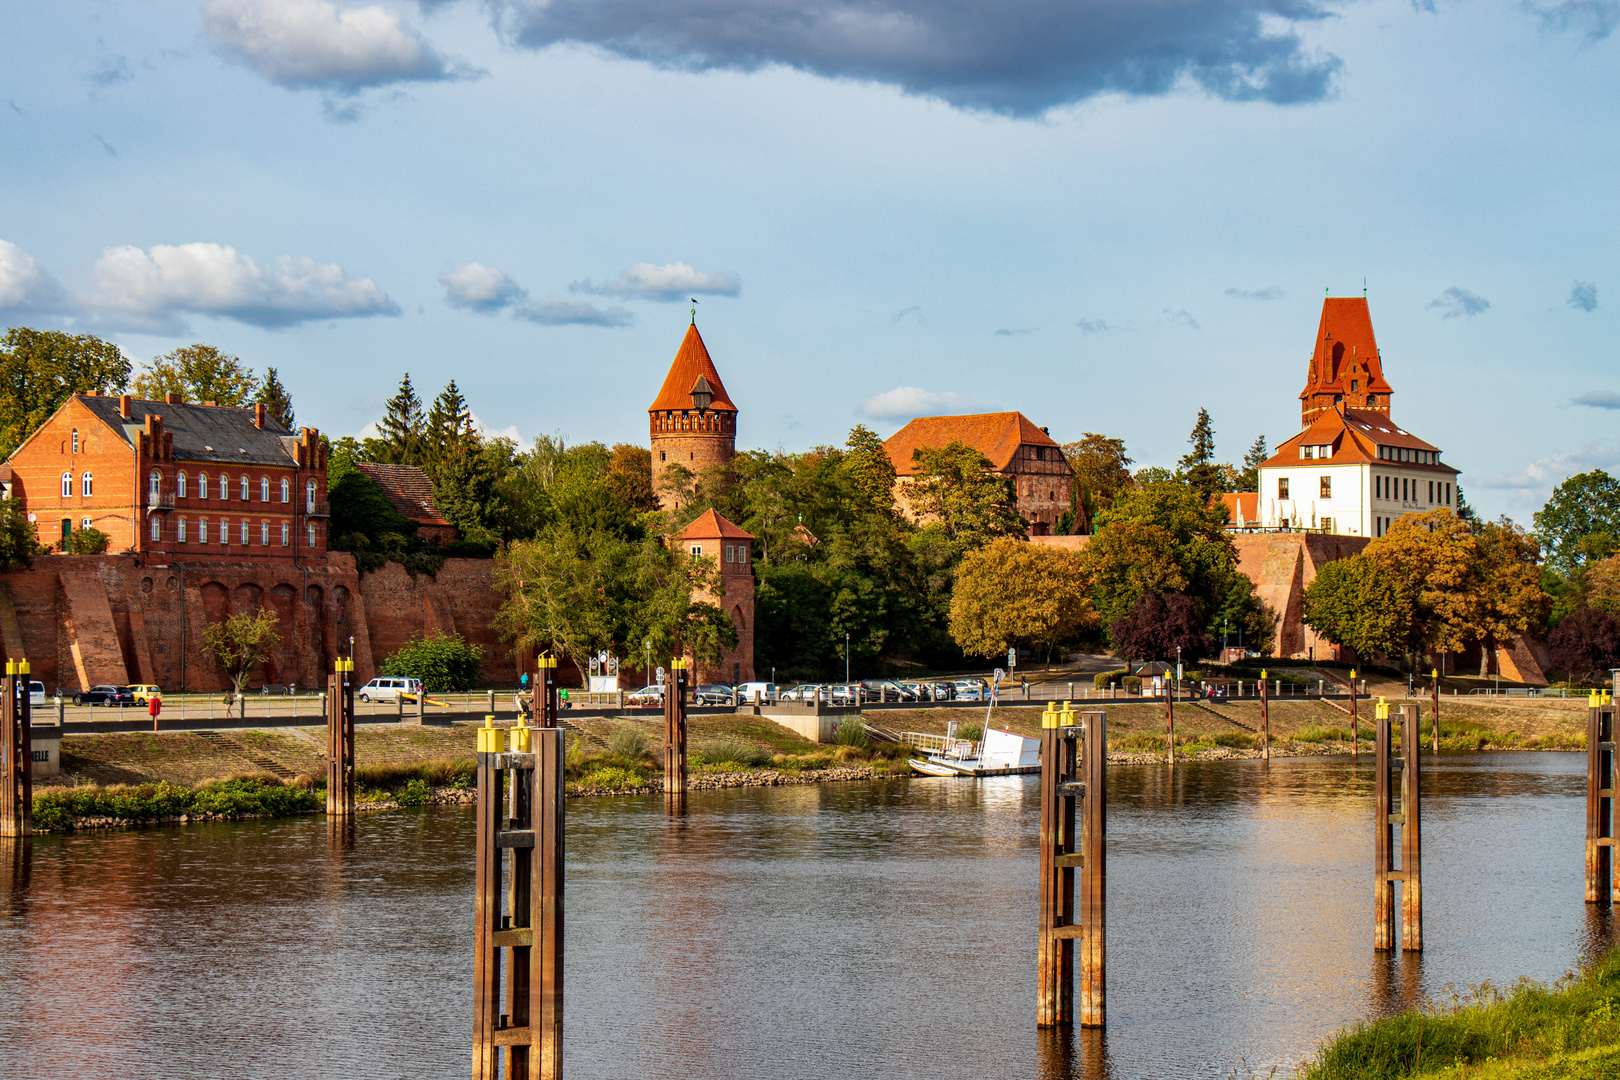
x=728 y=753
x=1570 y=1029
x=1311 y=733
x=612 y=778
x=234 y=797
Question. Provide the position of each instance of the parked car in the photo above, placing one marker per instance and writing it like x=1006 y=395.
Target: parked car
x=757 y=691
x=712 y=694
x=802 y=692
x=389 y=689
x=144 y=692
x=36 y=693
x=850 y=694
x=886 y=690
x=972 y=690
x=105 y=695
x=939 y=691
x=651 y=694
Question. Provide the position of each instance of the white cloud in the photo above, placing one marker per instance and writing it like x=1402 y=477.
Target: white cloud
x=1457 y=301
x=25 y=285
x=1542 y=475
x=561 y=311
x=1094 y=326
x=477 y=287
x=1270 y=292
x=905 y=402
x=671 y=283
x=157 y=288
x=318 y=44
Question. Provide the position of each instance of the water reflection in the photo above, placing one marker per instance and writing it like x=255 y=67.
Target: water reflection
x=842 y=930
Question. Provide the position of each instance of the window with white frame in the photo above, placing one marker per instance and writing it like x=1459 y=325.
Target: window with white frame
x=309 y=496
x=731 y=554
x=202 y=485
x=286 y=490
x=697 y=549
x=264 y=489
x=246 y=492
x=154 y=483
x=180 y=485
x=157 y=527
x=180 y=531
x=75 y=440
x=67 y=485
x=311 y=534
x=202 y=530
x=84 y=523
x=284 y=534
x=224 y=531
x=86 y=484
x=264 y=533
x=742 y=553
x=244 y=533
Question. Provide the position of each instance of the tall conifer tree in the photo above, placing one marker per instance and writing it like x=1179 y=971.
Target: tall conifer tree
x=401 y=425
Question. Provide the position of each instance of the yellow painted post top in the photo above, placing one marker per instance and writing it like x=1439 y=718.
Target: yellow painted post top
x=1382 y=712
x=1592 y=700
x=520 y=738
x=22 y=667
x=1262 y=674
x=1352 y=674
x=11 y=667
x=1434 y=673
x=1049 y=717
x=1067 y=716
x=489 y=737
x=340 y=665
x=546 y=661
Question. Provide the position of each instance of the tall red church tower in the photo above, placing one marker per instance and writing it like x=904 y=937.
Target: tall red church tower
x=693 y=422
x=1345 y=368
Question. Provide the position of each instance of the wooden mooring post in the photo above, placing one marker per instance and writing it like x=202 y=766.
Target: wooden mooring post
x=675 y=729
x=545 y=711
x=1265 y=720
x=1600 y=861
x=1434 y=688
x=1398 y=806
x=16 y=752
x=1169 y=722
x=518 y=910
x=1355 y=723
x=340 y=738
x=1074 y=799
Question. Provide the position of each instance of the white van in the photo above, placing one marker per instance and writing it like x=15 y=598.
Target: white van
x=388 y=689
x=756 y=692
x=36 y=693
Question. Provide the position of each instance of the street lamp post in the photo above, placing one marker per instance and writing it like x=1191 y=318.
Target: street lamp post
x=846 y=656
x=649 y=658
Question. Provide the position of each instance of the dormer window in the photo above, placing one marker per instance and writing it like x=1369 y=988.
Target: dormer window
x=1307 y=452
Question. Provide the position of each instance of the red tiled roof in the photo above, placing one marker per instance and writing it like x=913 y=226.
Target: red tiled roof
x=1344 y=337
x=1241 y=506
x=691 y=362
x=712 y=526
x=1355 y=435
x=408 y=489
x=995 y=435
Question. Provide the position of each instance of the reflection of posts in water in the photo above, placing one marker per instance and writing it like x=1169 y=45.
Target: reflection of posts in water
x=1074 y=758
x=1397 y=983
x=675 y=728
x=16 y=752
x=1600 y=861
x=518 y=910
x=340 y=738
x=17 y=866
x=1434 y=689
x=1408 y=816
x=1072 y=1054
x=340 y=833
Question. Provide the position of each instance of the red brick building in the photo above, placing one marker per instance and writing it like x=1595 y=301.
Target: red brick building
x=410 y=492
x=175 y=480
x=692 y=420
x=1346 y=367
x=711 y=536
x=1014 y=446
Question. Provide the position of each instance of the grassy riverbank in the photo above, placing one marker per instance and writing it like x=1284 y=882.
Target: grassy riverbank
x=1531 y=1032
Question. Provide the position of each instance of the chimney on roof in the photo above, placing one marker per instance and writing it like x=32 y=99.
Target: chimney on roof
x=123 y=406
x=258 y=414
x=211 y=404
x=172 y=398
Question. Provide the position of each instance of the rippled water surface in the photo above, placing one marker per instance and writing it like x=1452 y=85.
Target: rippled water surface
x=855 y=930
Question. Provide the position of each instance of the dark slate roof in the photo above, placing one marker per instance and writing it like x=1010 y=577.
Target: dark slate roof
x=202 y=432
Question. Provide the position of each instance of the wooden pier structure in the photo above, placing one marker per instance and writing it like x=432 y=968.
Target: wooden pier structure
x=1074 y=795
x=1601 y=865
x=16 y=752
x=518 y=911
x=1398 y=806
x=340 y=739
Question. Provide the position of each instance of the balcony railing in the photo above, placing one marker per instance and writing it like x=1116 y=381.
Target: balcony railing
x=161 y=501
x=316 y=508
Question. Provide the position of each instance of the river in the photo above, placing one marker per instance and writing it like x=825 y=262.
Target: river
x=879 y=929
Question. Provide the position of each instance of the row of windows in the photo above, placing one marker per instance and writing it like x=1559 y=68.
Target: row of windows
x=183 y=534
x=735 y=553
x=1402 y=453
x=1408 y=490
x=154 y=483
x=86 y=483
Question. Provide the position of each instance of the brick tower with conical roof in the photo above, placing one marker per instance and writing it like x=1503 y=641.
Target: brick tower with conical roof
x=693 y=422
x=1346 y=369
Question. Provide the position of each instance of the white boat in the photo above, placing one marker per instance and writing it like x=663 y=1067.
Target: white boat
x=1000 y=753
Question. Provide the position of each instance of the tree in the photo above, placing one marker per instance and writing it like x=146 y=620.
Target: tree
x=629 y=477
x=444 y=662
x=401 y=425
x=19 y=540
x=1355 y=604
x=1581 y=521
x=1101 y=471
x=1197 y=466
x=870 y=470
x=1249 y=478
x=275 y=399
x=1600 y=585
x=1157 y=625
x=199 y=373
x=1508 y=599
x=1433 y=560
x=41 y=369
x=956 y=489
x=1584 y=647
x=1012 y=592
x=1160 y=537
x=241 y=642
x=86 y=542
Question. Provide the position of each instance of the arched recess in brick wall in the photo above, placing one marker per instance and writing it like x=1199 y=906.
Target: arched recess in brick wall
x=737 y=619
x=320 y=631
x=216 y=605
x=284 y=657
x=247 y=600
x=343 y=627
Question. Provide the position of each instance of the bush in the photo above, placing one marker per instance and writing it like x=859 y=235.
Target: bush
x=971 y=730
x=1233 y=739
x=1314 y=734
x=1132 y=684
x=1101 y=680
x=612 y=778
x=852 y=732
x=86 y=542
x=627 y=743
x=442 y=661
x=416 y=793
x=234 y=797
x=730 y=750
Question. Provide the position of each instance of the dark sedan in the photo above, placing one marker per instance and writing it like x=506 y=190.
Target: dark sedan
x=712 y=694
x=105 y=695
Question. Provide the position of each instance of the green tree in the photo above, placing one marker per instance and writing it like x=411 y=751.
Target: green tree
x=1508 y=599
x=1249 y=478
x=275 y=399
x=199 y=373
x=1434 y=561
x=1011 y=592
x=19 y=540
x=444 y=662
x=1101 y=471
x=1355 y=604
x=1197 y=466
x=400 y=429
x=86 y=542
x=1581 y=522
x=41 y=369
x=956 y=491
x=241 y=642
x=871 y=472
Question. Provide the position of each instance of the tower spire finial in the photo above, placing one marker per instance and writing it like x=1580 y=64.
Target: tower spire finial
x=694 y=311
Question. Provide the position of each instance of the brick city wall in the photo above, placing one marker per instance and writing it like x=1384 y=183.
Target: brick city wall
x=85 y=620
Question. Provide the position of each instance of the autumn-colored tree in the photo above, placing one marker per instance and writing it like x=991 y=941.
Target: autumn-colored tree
x=241 y=642
x=1355 y=604
x=1160 y=627
x=1433 y=560
x=1600 y=585
x=1101 y=471
x=1508 y=598
x=41 y=369
x=1160 y=537
x=955 y=489
x=629 y=476
x=199 y=373
x=1012 y=592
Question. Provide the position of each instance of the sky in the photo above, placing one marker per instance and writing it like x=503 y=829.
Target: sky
x=1106 y=214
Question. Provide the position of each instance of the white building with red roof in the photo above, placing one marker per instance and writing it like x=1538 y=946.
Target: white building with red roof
x=1352 y=471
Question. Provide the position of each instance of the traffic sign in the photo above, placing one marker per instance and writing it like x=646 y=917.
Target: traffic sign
x=998 y=676
x=660 y=674
x=1012 y=657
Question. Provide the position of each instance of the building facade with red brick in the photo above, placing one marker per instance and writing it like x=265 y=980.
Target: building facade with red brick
x=1015 y=448
x=711 y=536
x=692 y=421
